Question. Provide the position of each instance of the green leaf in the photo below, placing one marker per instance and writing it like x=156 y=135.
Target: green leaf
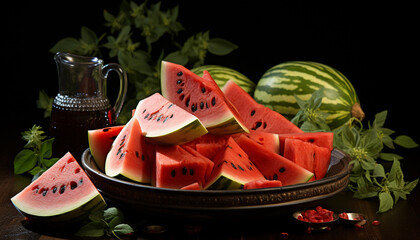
x=405 y=141
x=46 y=148
x=385 y=202
x=111 y=213
x=220 y=46
x=380 y=119
x=122 y=229
x=68 y=44
x=409 y=186
x=49 y=162
x=44 y=102
x=88 y=36
x=177 y=57
x=378 y=171
x=24 y=161
x=92 y=229
x=390 y=156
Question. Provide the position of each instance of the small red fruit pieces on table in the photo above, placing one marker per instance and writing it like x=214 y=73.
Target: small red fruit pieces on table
x=319 y=215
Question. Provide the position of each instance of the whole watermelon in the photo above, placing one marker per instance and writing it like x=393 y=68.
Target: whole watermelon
x=222 y=74
x=277 y=87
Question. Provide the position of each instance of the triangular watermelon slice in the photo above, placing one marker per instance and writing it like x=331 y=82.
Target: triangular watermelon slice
x=321 y=139
x=273 y=166
x=62 y=193
x=202 y=98
x=256 y=116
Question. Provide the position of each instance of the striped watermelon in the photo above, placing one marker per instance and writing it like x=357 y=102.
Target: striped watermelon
x=278 y=85
x=222 y=74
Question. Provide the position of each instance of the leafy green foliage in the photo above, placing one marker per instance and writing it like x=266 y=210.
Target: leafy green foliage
x=108 y=222
x=141 y=36
x=35 y=158
x=365 y=146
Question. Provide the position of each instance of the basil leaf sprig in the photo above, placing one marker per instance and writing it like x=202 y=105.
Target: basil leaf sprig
x=35 y=158
x=139 y=37
x=109 y=222
x=365 y=145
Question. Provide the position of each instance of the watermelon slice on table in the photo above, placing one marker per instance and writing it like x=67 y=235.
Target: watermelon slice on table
x=100 y=142
x=202 y=97
x=309 y=156
x=232 y=169
x=321 y=139
x=164 y=122
x=129 y=156
x=273 y=166
x=177 y=167
x=63 y=193
x=256 y=116
x=263 y=184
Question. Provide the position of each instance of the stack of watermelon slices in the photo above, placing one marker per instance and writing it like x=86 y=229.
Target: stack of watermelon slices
x=197 y=136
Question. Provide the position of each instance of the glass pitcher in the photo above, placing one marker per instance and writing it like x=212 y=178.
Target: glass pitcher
x=81 y=103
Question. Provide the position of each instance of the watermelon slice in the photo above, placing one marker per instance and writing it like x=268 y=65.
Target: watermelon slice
x=62 y=193
x=232 y=169
x=321 y=139
x=128 y=156
x=256 y=116
x=309 y=156
x=202 y=97
x=177 y=167
x=273 y=166
x=270 y=141
x=192 y=186
x=165 y=123
x=100 y=142
x=208 y=145
x=262 y=184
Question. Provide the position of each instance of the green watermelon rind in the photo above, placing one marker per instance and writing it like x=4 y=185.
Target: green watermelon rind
x=74 y=214
x=224 y=183
x=279 y=84
x=223 y=74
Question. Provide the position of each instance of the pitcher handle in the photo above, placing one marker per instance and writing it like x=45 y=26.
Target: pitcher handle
x=123 y=85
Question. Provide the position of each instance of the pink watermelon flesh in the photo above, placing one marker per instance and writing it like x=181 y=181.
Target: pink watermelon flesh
x=209 y=150
x=192 y=186
x=208 y=145
x=164 y=122
x=176 y=167
x=309 y=156
x=262 y=184
x=255 y=115
x=270 y=141
x=201 y=97
x=128 y=156
x=273 y=166
x=100 y=142
x=232 y=168
x=321 y=139
x=62 y=193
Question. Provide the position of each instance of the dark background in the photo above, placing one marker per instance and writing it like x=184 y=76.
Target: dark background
x=374 y=45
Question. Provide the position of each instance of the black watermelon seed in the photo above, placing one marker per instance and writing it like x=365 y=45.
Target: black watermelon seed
x=275 y=177
x=122 y=155
x=106 y=129
x=44 y=193
x=194 y=107
x=171 y=116
x=191 y=172
x=239 y=166
x=147 y=115
x=81 y=181
x=239 y=155
x=201 y=105
x=213 y=101
x=179 y=81
x=170 y=105
x=187 y=102
x=173 y=173
x=137 y=154
x=142 y=157
x=282 y=169
x=257 y=125
x=158 y=119
x=253 y=112
x=265 y=125
x=228 y=146
x=203 y=89
x=165 y=119
x=62 y=189
x=144 y=110
x=250 y=163
x=233 y=165
x=54 y=189
x=181 y=97
x=250 y=168
x=179 y=90
x=179 y=74
x=207 y=105
x=73 y=185
x=311 y=140
x=184 y=171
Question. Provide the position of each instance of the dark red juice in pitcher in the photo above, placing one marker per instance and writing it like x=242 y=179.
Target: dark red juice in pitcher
x=71 y=118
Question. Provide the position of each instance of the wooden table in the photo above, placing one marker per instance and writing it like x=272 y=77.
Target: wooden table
x=402 y=222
